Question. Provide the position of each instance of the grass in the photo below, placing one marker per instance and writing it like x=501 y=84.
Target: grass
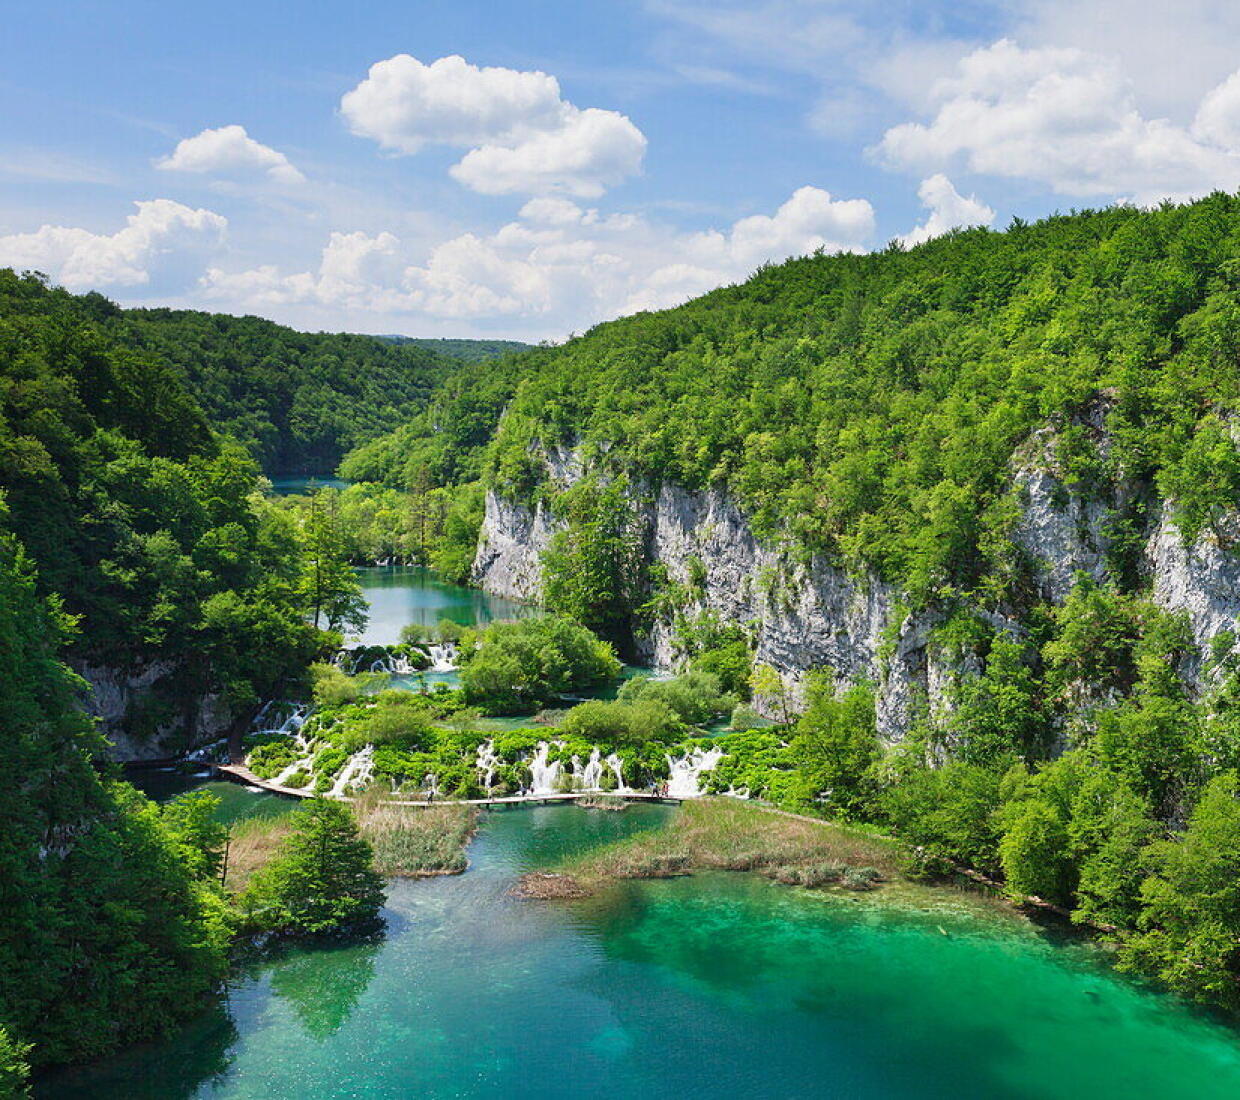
x=724 y=834
x=408 y=841
x=411 y=841
x=251 y=844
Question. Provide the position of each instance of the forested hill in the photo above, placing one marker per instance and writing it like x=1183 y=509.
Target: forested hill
x=467 y=351
x=868 y=406
x=297 y=400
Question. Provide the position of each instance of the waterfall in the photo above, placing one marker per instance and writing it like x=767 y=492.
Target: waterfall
x=544 y=774
x=443 y=657
x=687 y=770
x=613 y=762
x=487 y=763
x=355 y=774
x=592 y=773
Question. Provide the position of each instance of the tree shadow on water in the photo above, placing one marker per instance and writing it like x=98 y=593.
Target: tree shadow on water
x=324 y=982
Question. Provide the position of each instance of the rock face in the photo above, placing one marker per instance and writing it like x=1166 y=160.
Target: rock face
x=124 y=703
x=810 y=616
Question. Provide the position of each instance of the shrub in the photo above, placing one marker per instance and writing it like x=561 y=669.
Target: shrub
x=523 y=665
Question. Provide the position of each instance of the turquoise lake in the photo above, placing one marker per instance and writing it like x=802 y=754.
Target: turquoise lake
x=689 y=987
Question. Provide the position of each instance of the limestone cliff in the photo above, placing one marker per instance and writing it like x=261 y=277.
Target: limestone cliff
x=814 y=615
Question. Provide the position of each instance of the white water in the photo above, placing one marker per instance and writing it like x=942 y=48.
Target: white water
x=487 y=763
x=355 y=774
x=443 y=657
x=544 y=774
x=687 y=771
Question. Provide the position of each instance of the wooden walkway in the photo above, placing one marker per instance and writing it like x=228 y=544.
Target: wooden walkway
x=242 y=774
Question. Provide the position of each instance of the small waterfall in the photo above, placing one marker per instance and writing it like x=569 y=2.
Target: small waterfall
x=443 y=657
x=687 y=770
x=355 y=774
x=544 y=774
x=487 y=763
x=613 y=762
x=592 y=773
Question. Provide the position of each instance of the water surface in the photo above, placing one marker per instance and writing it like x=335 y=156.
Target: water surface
x=692 y=987
x=398 y=595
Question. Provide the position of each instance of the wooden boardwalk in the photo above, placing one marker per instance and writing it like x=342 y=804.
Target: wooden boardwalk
x=242 y=774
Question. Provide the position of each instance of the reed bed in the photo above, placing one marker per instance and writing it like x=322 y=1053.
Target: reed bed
x=415 y=841
x=723 y=834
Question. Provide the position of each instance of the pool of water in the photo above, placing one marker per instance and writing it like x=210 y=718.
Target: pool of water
x=237 y=801
x=398 y=595
x=303 y=483
x=692 y=987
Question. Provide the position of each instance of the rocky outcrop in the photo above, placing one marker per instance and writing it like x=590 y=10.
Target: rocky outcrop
x=803 y=617
x=1202 y=580
x=812 y=615
x=140 y=715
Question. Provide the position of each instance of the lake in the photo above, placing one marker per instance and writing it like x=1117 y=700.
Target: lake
x=691 y=987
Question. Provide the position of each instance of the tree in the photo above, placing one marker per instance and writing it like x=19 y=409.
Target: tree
x=330 y=589
x=14 y=1067
x=836 y=742
x=321 y=879
x=592 y=570
x=1190 y=926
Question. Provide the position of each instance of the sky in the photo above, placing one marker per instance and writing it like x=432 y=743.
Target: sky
x=526 y=170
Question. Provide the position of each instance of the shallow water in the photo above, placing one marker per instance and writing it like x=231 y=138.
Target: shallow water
x=690 y=987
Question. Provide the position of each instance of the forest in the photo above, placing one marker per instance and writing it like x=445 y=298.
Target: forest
x=297 y=401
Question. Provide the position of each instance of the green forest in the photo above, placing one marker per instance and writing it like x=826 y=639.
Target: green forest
x=298 y=401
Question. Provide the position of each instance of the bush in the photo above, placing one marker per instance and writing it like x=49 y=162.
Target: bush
x=614 y=724
x=695 y=697
x=523 y=665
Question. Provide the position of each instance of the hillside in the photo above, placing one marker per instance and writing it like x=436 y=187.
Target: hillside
x=297 y=400
x=467 y=351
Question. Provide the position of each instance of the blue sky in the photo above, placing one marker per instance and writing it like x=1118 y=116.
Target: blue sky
x=529 y=169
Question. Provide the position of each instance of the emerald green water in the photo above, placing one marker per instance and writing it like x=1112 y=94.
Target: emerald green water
x=398 y=595
x=691 y=987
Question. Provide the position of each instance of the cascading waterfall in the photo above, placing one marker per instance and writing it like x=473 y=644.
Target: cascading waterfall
x=686 y=771
x=614 y=762
x=355 y=774
x=545 y=775
x=592 y=773
x=443 y=657
x=487 y=763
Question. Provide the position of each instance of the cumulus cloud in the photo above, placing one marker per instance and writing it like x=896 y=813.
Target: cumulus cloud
x=522 y=135
x=1067 y=119
x=230 y=151
x=948 y=210
x=570 y=265
x=162 y=243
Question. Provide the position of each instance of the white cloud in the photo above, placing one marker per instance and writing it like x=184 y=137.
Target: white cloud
x=1218 y=117
x=162 y=243
x=230 y=151
x=558 y=262
x=591 y=151
x=1061 y=117
x=948 y=210
x=522 y=136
